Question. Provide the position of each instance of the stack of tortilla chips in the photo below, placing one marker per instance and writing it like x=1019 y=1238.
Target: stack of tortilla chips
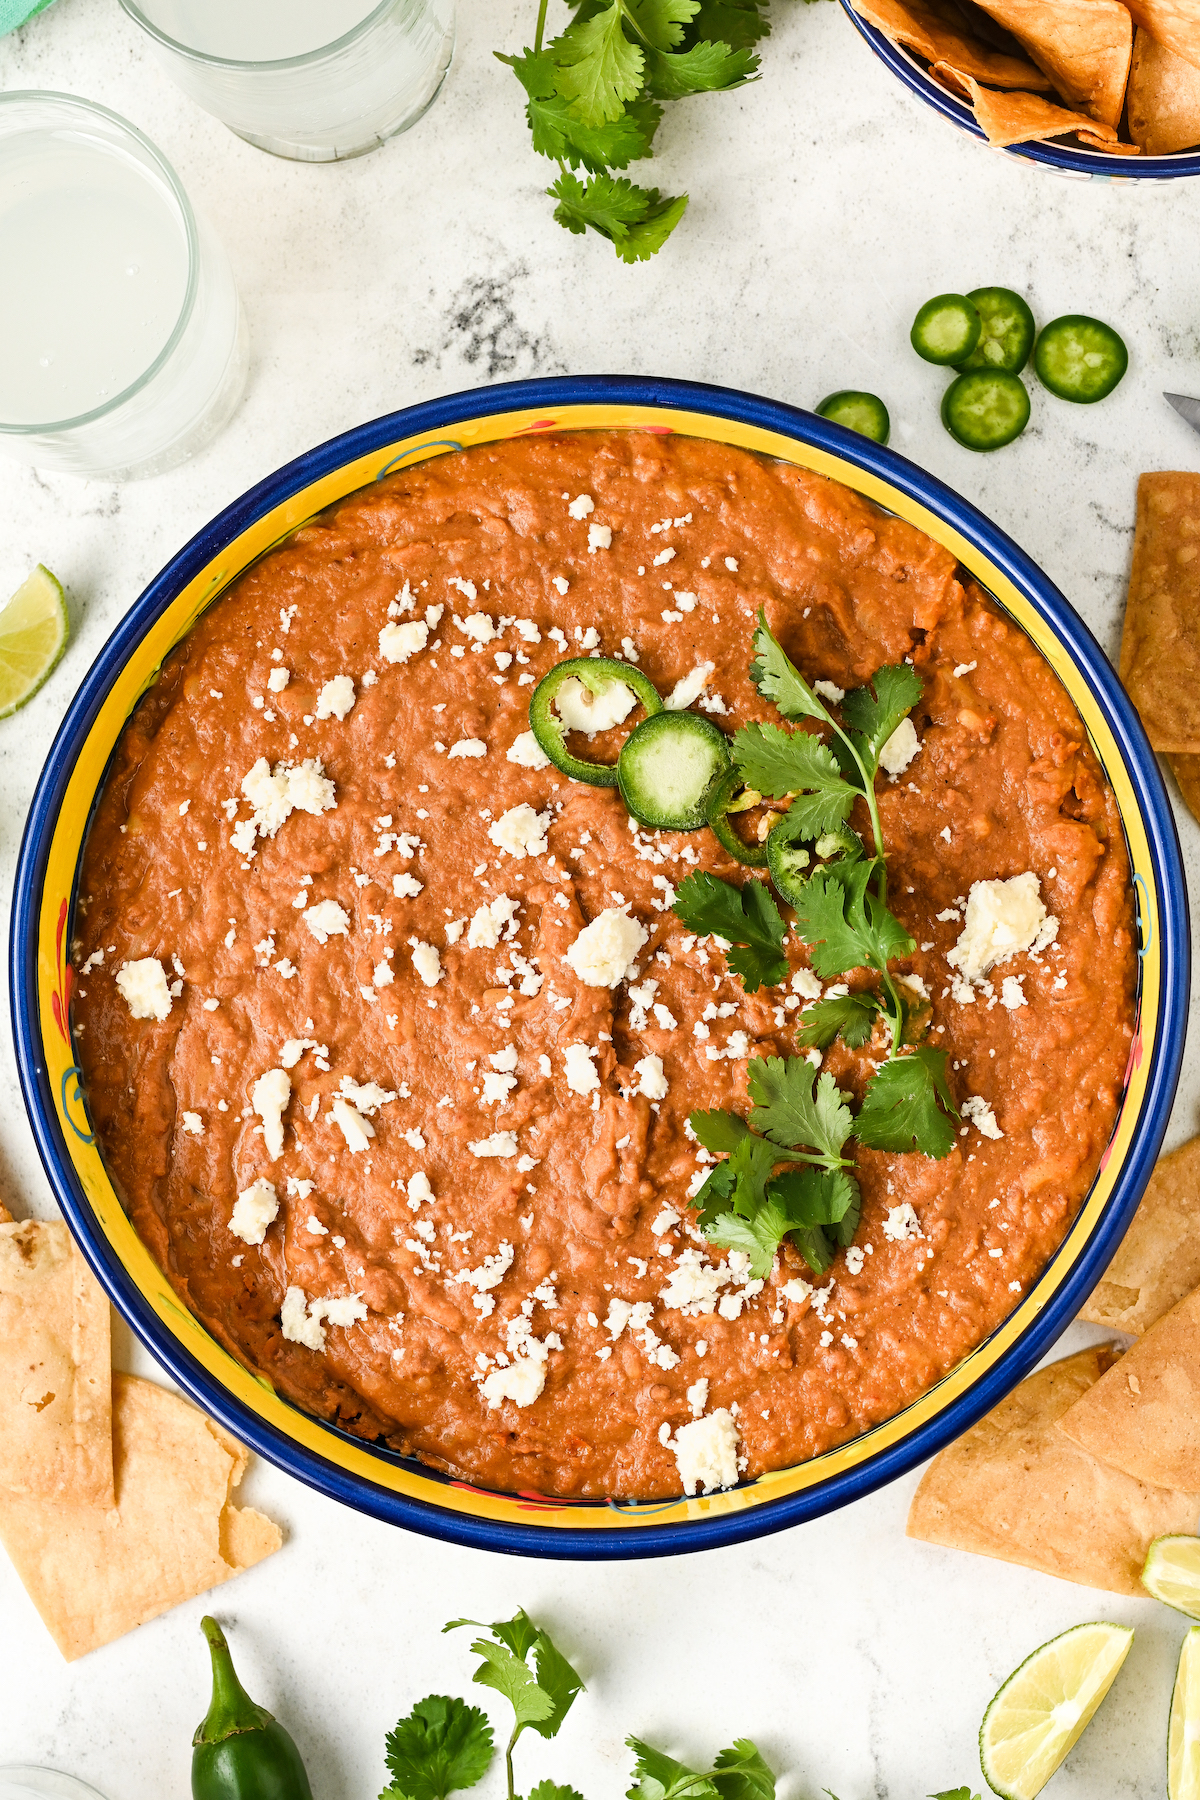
x=114 y=1493
x=1090 y=1459
x=1123 y=78
x=1160 y=645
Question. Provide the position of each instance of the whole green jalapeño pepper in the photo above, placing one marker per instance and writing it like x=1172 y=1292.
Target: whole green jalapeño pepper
x=239 y=1751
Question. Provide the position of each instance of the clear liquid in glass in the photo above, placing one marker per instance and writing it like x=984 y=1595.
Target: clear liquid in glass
x=96 y=271
x=317 y=80
x=257 y=30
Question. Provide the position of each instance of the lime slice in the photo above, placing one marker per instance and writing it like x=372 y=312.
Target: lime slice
x=1043 y=1707
x=33 y=635
x=1172 y=1573
x=1183 y=1732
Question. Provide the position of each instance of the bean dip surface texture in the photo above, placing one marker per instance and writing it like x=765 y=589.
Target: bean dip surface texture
x=392 y=1149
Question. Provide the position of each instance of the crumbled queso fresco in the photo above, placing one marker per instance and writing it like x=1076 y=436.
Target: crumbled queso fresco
x=390 y=1035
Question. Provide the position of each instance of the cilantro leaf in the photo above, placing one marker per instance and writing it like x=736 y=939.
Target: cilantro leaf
x=844 y=923
x=792 y=1107
x=779 y=680
x=827 y=911
x=741 y=1180
x=661 y=23
x=713 y=1193
x=843 y=1200
x=802 y=1202
x=872 y=717
x=901 y=1110
x=533 y=69
x=959 y=1793
x=519 y=1634
x=559 y=1680
x=598 y=68
x=746 y=917
x=751 y=1166
x=559 y=133
x=442 y=1745
x=549 y=1790
x=818 y=1196
x=657 y=1776
x=848 y=1016
x=815 y=1246
x=542 y=1701
x=740 y=1773
x=738 y=23
x=648 y=236
x=511 y=1676
x=810 y=816
x=757 y=1238
x=610 y=204
x=704 y=69
x=636 y=220
x=779 y=762
x=719 y=1132
x=647 y=116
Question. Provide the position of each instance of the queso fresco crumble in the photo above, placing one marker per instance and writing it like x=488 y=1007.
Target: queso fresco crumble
x=389 y=1032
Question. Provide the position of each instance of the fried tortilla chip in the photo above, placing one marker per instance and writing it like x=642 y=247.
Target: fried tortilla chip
x=1175 y=24
x=1186 y=770
x=1159 y=1260
x=1163 y=99
x=1019 y=118
x=94 y=1572
x=1160 y=644
x=1143 y=1416
x=55 y=1362
x=940 y=40
x=1017 y=1488
x=1084 y=46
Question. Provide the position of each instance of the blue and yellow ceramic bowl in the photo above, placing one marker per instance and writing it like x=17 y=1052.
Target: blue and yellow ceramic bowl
x=377 y=1481
x=1061 y=155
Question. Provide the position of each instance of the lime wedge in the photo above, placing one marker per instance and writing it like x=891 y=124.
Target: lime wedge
x=1043 y=1707
x=1172 y=1573
x=1183 y=1732
x=33 y=635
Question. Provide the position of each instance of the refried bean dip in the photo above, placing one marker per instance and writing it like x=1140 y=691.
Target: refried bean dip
x=337 y=1000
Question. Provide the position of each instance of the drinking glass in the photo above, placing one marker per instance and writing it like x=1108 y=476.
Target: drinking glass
x=122 y=345
x=317 y=80
x=28 y=1783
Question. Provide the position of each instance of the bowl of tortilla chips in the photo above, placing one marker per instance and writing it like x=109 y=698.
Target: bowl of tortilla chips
x=1092 y=88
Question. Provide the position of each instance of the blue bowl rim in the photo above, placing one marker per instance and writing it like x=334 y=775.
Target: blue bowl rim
x=1057 y=156
x=599 y=1543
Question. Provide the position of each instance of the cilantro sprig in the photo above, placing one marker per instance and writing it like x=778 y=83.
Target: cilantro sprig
x=796 y=1117
x=739 y=1773
x=444 y=1745
x=841 y=909
x=746 y=918
x=594 y=101
x=540 y=1693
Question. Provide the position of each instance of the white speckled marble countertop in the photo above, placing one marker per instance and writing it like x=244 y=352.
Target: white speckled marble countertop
x=826 y=205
